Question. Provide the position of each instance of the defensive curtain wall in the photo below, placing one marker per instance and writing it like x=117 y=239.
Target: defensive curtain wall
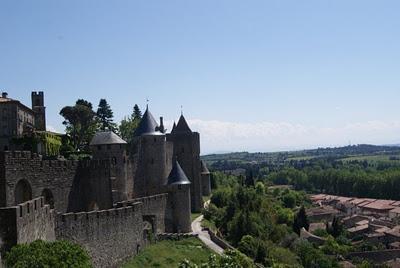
x=68 y=186
x=110 y=236
x=26 y=223
x=114 y=235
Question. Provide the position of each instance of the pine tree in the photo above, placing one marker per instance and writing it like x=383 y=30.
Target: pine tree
x=129 y=124
x=137 y=114
x=105 y=116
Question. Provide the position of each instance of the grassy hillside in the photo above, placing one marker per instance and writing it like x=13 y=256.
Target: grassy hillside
x=169 y=254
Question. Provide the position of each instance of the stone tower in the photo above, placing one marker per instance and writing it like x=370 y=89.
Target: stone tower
x=151 y=156
x=109 y=146
x=186 y=146
x=39 y=109
x=205 y=179
x=177 y=218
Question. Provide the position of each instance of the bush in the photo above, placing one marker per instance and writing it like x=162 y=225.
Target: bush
x=40 y=254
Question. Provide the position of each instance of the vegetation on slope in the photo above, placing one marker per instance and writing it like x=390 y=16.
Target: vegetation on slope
x=40 y=254
x=170 y=253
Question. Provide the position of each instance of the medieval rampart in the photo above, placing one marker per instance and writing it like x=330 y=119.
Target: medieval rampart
x=153 y=210
x=26 y=223
x=72 y=185
x=110 y=236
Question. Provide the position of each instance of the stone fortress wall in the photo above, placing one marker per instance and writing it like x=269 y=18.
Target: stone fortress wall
x=72 y=185
x=26 y=223
x=111 y=204
x=110 y=236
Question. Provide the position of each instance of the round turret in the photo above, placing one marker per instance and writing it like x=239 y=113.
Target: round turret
x=178 y=213
x=149 y=148
x=205 y=179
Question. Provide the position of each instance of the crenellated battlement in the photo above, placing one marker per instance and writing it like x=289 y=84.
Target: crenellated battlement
x=36 y=205
x=145 y=200
x=24 y=158
x=26 y=223
x=99 y=216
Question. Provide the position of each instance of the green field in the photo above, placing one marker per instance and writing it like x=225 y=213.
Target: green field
x=168 y=254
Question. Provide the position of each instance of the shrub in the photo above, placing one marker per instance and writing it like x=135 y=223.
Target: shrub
x=41 y=254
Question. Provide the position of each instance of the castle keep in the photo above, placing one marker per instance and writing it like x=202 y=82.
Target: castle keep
x=110 y=204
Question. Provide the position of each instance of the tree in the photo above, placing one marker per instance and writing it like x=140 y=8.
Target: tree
x=80 y=123
x=105 y=116
x=42 y=254
x=300 y=221
x=137 y=114
x=249 y=179
x=289 y=200
x=129 y=124
x=335 y=228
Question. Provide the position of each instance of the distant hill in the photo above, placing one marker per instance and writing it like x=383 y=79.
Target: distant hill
x=280 y=157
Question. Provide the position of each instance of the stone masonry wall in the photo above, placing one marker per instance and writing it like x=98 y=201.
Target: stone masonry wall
x=152 y=206
x=186 y=148
x=26 y=223
x=74 y=185
x=110 y=236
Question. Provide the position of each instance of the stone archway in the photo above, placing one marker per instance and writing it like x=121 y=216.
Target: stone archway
x=48 y=197
x=22 y=192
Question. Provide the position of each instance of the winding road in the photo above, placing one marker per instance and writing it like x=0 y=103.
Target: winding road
x=203 y=235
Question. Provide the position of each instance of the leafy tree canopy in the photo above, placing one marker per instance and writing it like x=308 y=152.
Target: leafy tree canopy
x=80 y=123
x=40 y=254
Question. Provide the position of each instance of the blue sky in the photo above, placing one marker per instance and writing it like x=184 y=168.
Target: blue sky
x=251 y=75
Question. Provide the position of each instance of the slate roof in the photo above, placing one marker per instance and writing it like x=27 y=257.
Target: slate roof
x=177 y=175
x=173 y=127
x=147 y=125
x=204 y=169
x=182 y=126
x=106 y=137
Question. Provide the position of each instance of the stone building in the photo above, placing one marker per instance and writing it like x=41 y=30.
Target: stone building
x=16 y=119
x=186 y=149
x=111 y=203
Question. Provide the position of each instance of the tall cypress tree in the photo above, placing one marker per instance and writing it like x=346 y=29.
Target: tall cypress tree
x=300 y=221
x=105 y=116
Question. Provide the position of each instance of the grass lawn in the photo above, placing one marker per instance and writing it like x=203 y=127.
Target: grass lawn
x=168 y=254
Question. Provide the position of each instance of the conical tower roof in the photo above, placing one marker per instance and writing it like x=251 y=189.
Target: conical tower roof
x=177 y=175
x=173 y=128
x=182 y=126
x=147 y=125
x=204 y=169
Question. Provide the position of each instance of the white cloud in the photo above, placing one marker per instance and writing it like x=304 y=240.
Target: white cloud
x=53 y=129
x=266 y=136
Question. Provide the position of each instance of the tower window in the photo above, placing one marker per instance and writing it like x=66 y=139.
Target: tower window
x=108 y=146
